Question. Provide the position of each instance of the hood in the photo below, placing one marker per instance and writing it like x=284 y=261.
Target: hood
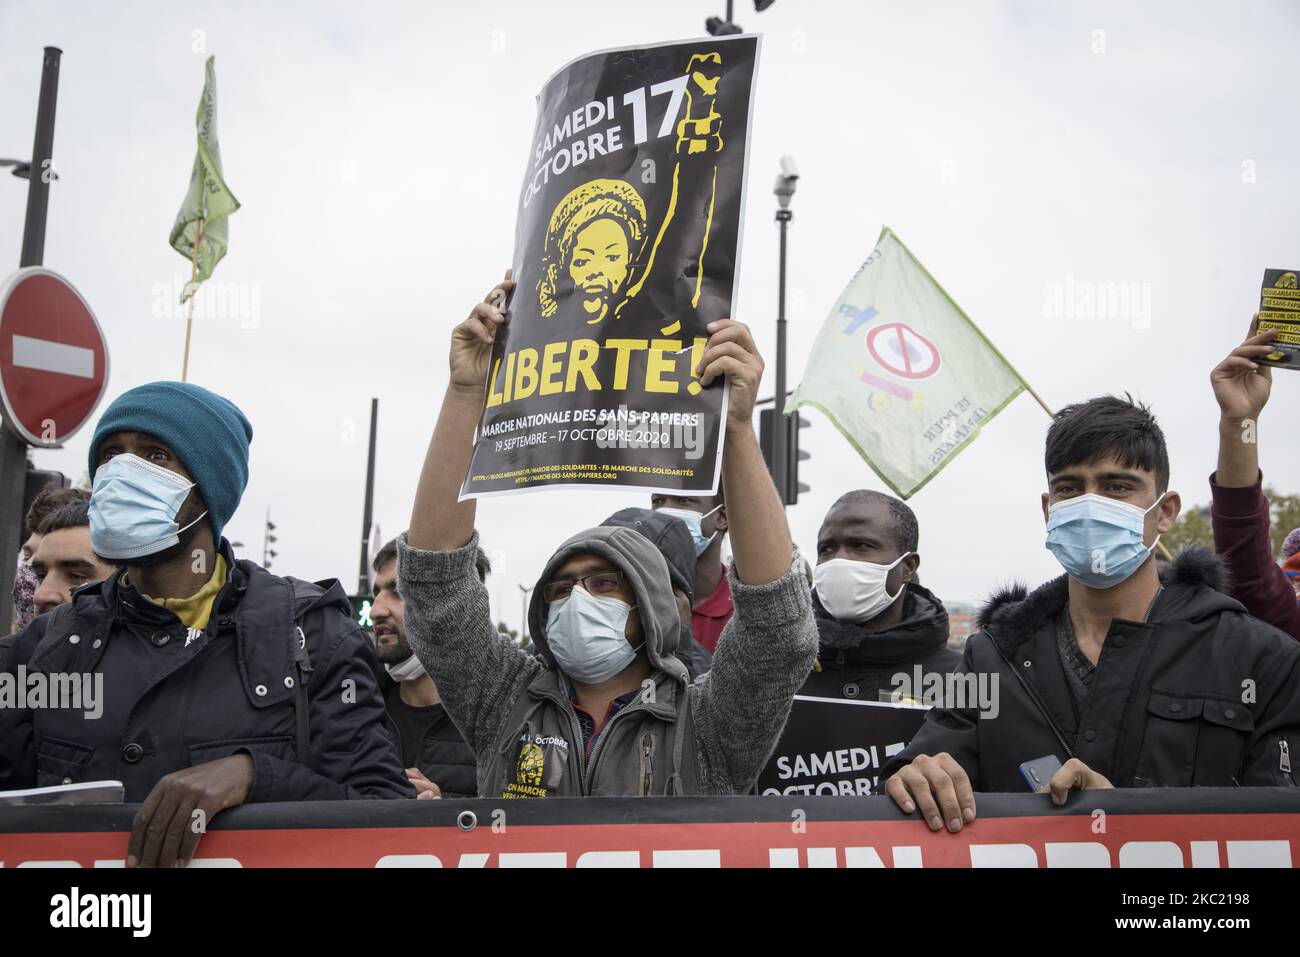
x=1194 y=586
x=259 y=588
x=924 y=628
x=647 y=572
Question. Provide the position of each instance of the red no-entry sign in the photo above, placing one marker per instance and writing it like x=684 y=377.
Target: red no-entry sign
x=53 y=358
x=900 y=349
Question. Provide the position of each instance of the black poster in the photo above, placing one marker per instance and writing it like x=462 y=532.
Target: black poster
x=1279 y=308
x=837 y=746
x=626 y=247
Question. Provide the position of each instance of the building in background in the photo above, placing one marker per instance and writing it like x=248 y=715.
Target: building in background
x=961 y=622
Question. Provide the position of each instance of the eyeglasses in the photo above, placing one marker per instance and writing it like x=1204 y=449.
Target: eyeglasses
x=598 y=583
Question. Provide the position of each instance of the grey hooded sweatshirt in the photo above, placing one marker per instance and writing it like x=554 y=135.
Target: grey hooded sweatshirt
x=515 y=710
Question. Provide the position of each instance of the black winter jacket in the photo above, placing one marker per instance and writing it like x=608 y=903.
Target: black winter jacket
x=444 y=758
x=1200 y=695
x=171 y=701
x=859 y=665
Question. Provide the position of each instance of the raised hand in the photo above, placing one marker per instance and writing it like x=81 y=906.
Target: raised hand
x=731 y=352
x=1241 y=386
x=471 y=341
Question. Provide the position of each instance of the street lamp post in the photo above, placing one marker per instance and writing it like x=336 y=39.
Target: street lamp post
x=785 y=183
x=523 y=615
x=13 y=448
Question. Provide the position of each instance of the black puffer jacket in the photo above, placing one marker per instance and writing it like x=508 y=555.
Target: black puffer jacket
x=168 y=704
x=444 y=757
x=1200 y=695
x=858 y=665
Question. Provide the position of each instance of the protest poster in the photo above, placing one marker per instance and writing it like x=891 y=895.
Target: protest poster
x=837 y=746
x=626 y=248
x=1279 y=308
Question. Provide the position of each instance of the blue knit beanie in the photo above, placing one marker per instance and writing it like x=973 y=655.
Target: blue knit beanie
x=208 y=433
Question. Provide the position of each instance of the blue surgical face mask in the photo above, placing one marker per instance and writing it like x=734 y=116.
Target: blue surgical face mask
x=1098 y=540
x=586 y=634
x=693 y=522
x=133 y=506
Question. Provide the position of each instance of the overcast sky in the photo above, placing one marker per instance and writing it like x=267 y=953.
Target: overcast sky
x=1020 y=149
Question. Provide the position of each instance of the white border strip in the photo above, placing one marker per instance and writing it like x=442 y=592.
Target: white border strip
x=46 y=355
x=866 y=704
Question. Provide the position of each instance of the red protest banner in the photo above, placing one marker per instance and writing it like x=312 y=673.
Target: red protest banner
x=1203 y=827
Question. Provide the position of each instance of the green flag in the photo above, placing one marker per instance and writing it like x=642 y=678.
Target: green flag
x=902 y=372
x=202 y=218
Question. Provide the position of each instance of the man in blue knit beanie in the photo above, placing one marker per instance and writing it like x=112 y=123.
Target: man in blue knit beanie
x=207 y=439
x=226 y=684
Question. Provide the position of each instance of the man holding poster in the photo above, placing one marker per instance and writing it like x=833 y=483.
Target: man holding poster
x=626 y=249
x=605 y=708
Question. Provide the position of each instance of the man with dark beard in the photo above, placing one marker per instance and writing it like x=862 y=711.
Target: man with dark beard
x=437 y=760
x=224 y=684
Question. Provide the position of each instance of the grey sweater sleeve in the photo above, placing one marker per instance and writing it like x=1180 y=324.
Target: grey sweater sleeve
x=763 y=656
x=479 y=673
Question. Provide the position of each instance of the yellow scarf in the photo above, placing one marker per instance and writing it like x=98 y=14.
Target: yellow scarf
x=195 y=611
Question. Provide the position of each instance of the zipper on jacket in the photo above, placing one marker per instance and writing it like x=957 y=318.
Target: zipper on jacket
x=580 y=746
x=1284 y=758
x=1038 y=702
x=585 y=766
x=648 y=762
x=604 y=736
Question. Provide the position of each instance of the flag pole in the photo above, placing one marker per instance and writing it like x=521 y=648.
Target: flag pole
x=189 y=309
x=1038 y=398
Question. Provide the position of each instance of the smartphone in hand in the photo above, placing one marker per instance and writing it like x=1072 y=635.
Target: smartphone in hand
x=1038 y=772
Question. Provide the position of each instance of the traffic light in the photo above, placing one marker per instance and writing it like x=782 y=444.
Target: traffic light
x=794 y=455
x=37 y=481
x=268 y=540
x=797 y=423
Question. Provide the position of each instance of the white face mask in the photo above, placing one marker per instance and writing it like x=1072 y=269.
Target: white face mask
x=586 y=634
x=408 y=670
x=854 y=591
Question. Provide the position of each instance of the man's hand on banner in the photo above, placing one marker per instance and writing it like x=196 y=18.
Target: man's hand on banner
x=938 y=787
x=177 y=812
x=731 y=352
x=425 y=790
x=471 y=341
x=1074 y=776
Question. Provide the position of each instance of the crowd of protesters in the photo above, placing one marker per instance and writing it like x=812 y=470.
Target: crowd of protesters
x=657 y=669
